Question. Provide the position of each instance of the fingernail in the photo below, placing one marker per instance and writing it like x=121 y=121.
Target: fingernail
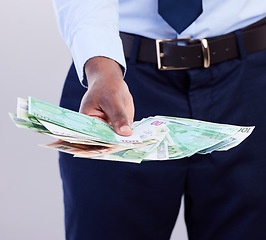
x=125 y=129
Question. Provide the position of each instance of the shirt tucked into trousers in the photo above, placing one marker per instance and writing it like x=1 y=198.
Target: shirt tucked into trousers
x=225 y=197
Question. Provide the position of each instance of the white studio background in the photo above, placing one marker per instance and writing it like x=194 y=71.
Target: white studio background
x=34 y=61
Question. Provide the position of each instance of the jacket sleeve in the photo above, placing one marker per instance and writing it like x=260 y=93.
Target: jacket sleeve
x=90 y=28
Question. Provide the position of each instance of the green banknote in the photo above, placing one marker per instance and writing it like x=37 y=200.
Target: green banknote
x=160 y=152
x=22 y=114
x=220 y=145
x=179 y=150
x=237 y=133
x=140 y=153
x=22 y=123
x=131 y=155
x=224 y=128
x=196 y=139
x=78 y=122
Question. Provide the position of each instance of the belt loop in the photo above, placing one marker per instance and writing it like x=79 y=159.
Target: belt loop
x=134 y=50
x=240 y=44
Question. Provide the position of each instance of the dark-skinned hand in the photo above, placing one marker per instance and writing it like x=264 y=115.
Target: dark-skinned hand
x=108 y=97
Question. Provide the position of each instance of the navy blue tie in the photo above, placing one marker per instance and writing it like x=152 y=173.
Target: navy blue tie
x=179 y=14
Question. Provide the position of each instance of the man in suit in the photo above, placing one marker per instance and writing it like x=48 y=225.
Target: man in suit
x=224 y=81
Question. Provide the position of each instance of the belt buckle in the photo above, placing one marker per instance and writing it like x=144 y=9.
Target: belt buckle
x=205 y=52
x=160 y=53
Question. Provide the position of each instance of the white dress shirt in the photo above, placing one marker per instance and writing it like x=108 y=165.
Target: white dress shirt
x=91 y=27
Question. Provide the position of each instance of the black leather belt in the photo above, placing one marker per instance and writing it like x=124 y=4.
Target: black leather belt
x=197 y=53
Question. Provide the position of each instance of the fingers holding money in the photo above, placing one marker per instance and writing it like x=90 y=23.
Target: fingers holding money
x=109 y=108
x=108 y=97
x=153 y=138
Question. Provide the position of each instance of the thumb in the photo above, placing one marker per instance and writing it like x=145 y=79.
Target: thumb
x=120 y=122
x=124 y=130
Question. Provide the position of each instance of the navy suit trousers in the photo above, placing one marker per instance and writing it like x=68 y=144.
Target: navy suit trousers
x=225 y=192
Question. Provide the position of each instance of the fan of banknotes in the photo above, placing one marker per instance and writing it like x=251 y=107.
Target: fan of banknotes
x=153 y=138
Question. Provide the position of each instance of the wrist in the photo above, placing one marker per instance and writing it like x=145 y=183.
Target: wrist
x=100 y=67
